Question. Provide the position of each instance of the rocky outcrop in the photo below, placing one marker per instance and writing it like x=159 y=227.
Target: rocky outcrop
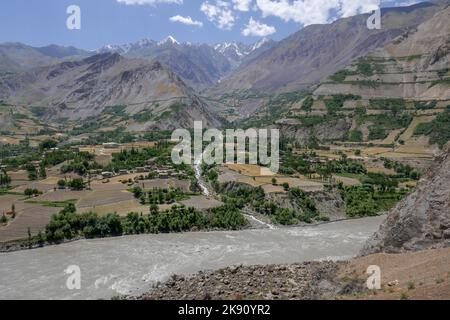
x=422 y=220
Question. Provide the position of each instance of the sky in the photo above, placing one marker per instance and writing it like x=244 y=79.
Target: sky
x=43 y=22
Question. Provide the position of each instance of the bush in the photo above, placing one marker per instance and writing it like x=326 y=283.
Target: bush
x=355 y=136
x=365 y=68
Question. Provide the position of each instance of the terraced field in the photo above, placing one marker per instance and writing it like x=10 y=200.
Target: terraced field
x=227 y=175
x=34 y=217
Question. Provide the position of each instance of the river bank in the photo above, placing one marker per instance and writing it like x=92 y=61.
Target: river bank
x=420 y=275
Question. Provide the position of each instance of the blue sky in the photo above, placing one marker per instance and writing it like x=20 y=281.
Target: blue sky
x=43 y=22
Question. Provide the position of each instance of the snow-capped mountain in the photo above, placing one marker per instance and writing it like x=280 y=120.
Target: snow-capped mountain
x=237 y=52
x=200 y=65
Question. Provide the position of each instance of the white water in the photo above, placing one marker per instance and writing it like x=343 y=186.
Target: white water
x=131 y=264
x=198 y=176
x=249 y=215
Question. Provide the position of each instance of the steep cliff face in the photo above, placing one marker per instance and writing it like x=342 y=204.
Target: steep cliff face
x=422 y=220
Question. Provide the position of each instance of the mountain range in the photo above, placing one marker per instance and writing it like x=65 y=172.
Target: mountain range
x=199 y=65
x=151 y=77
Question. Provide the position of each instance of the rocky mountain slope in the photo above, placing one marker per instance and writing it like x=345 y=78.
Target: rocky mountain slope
x=199 y=65
x=77 y=90
x=317 y=51
x=414 y=66
x=422 y=220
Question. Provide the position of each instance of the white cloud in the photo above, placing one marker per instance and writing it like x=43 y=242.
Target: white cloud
x=242 y=5
x=219 y=13
x=150 y=2
x=308 y=12
x=258 y=29
x=186 y=20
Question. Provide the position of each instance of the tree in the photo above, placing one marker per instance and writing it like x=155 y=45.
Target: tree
x=28 y=192
x=154 y=209
x=40 y=239
x=137 y=192
x=48 y=144
x=42 y=171
x=32 y=173
x=274 y=181
x=62 y=184
x=76 y=184
x=5 y=180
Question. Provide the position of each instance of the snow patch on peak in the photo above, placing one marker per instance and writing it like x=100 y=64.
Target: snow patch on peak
x=169 y=39
x=260 y=43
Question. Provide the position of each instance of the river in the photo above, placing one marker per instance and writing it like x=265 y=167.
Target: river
x=131 y=264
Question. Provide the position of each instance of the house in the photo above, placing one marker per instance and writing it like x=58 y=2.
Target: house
x=163 y=174
x=107 y=175
x=123 y=171
x=111 y=145
x=141 y=169
x=36 y=163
